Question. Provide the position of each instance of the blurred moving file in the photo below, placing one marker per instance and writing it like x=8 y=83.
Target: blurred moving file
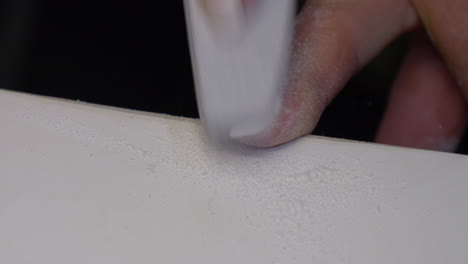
x=135 y=55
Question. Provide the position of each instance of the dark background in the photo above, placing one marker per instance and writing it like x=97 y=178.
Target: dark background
x=134 y=54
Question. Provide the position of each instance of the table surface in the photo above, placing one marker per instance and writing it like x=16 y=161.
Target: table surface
x=83 y=183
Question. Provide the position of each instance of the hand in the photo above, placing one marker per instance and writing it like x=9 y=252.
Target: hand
x=335 y=38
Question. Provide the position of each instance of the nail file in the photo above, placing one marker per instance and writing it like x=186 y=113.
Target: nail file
x=240 y=57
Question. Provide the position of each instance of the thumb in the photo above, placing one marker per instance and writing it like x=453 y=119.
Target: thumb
x=333 y=40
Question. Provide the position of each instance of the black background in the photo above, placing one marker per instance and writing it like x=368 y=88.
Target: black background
x=134 y=54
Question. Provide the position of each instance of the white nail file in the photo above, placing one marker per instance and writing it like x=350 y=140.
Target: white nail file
x=240 y=57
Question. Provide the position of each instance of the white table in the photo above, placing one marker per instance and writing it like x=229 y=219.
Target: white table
x=91 y=184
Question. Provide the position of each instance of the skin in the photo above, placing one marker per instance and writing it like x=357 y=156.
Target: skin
x=334 y=39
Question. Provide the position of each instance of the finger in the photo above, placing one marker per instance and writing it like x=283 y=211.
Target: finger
x=333 y=40
x=426 y=108
x=447 y=23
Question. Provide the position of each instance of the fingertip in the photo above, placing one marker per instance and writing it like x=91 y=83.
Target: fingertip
x=297 y=117
x=426 y=109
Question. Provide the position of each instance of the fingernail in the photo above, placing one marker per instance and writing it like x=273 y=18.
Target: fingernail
x=226 y=19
